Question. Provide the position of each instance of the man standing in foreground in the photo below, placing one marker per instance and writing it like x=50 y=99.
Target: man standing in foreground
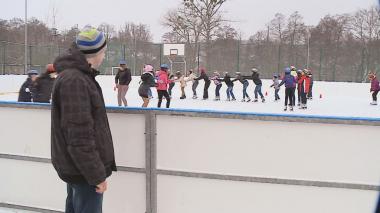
x=81 y=143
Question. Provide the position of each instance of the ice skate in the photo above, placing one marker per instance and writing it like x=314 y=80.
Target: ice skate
x=195 y=97
x=263 y=100
x=373 y=103
x=285 y=108
x=234 y=99
x=249 y=100
x=228 y=99
x=256 y=100
x=291 y=108
x=242 y=100
x=217 y=98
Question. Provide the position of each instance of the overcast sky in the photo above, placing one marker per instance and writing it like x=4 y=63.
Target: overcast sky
x=248 y=16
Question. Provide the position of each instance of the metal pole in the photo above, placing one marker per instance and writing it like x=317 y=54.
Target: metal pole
x=238 y=56
x=199 y=47
x=26 y=38
x=4 y=58
x=135 y=52
x=124 y=52
x=308 y=50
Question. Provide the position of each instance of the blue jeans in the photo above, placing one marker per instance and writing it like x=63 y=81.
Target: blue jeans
x=258 y=91
x=245 y=86
x=82 y=198
x=230 y=92
x=276 y=96
x=194 y=87
x=150 y=93
x=217 y=90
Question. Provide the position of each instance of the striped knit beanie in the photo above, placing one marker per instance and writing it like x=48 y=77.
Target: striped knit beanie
x=90 y=40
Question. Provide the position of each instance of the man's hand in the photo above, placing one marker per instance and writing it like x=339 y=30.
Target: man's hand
x=101 y=188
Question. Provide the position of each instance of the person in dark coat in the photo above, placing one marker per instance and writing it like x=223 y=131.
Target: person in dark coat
x=43 y=85
x=207 y=80
x=26 y=91
x=230 y=87
x=310 y=94
x=290 y=87
x=147 y=81
x=244 y=81
x=82 y=150
x=257 y=81
x=172 y=79
x=122 y=80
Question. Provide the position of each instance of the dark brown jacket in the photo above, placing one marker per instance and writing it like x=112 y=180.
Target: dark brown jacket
x=81 y=142
x=123 y=77
x=42 y=88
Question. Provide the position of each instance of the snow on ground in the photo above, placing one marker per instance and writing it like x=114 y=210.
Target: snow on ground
x=338 y=98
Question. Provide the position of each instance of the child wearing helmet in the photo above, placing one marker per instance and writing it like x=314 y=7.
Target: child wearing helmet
x=26 y=92
x=230 y=87
x=218 y=83
x=182 y=81
x=276 y=87
x=192 y=77
x=43 y=85
x=162 y=85
x=303 y=88
x=290 y=87
x=257 y=81
x=243 y=80
x=147 y=81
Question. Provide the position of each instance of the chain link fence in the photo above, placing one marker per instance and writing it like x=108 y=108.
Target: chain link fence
x=222 y=56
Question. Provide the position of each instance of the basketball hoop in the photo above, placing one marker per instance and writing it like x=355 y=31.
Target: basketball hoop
x=175 y=53
x=172 y=57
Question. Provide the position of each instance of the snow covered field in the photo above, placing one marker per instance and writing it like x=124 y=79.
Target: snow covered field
x=338 y=98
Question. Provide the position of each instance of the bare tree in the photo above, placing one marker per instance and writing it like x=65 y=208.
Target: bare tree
x=366 y=26
x=209 y=14
x=277 y=29
x=295 y=32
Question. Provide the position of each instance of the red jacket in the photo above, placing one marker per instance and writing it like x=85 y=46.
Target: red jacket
x=162 y=80
x=304 y=83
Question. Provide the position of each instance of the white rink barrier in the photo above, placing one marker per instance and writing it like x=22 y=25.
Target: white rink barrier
x=189 y=161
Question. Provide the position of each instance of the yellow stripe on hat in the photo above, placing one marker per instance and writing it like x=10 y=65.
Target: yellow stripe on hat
x=90 y=34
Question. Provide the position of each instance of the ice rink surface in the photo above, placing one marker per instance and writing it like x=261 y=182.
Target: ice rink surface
x=330 y=98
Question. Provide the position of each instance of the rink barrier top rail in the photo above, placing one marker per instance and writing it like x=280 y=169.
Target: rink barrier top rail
x=369 y=121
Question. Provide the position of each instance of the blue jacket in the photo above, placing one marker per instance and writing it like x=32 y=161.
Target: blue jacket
x=289 y=81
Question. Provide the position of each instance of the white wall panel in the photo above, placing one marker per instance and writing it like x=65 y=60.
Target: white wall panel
x=189 y=195
x=308 y=151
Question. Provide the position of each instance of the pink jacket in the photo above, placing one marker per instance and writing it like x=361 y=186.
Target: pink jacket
x=162 y=80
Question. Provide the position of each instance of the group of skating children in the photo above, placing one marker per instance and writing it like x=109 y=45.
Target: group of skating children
x=299 y=81
x=37 y=88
